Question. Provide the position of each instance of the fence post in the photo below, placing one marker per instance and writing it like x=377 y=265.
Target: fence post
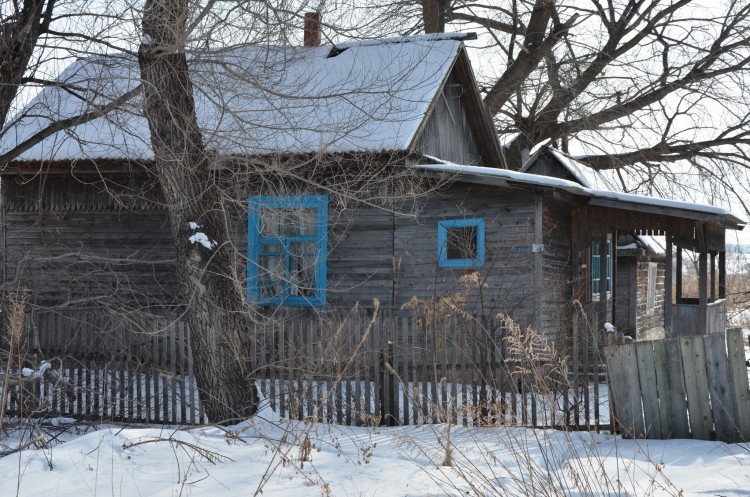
x=387 y=383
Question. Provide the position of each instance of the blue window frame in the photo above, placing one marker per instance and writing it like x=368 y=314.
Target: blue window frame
x=287 y=248
x=596 y=267
x=461 y=243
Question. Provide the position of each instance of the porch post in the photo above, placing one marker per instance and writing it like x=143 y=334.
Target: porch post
x=722 y=274
x=678 y=280
x=668 y=288
x=712 y=295
x=603 y=267
x=613 y=277
x=537 y=320
x=702 y=279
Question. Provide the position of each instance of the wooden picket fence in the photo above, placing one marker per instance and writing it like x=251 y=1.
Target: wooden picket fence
x=688 y=387
x=411 y=370
x=344 y=368
x=104 y=368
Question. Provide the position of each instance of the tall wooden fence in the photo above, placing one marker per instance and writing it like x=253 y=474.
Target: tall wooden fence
x=341 y=368
x=688 y=387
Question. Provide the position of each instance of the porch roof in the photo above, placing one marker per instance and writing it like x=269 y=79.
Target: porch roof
x=594 y=196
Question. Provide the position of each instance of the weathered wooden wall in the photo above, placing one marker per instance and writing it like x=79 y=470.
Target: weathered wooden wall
x=507 y=279
x=447 y=132
x=360 y=261
x=73 y=243
x=633 y=315
x=650 y=321
x=80 y=242
x=557 y=291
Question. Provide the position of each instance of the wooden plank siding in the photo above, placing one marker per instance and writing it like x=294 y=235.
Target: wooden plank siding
x=109 y=245
x=87 y=243
x=360 y=261
x=556 y=317
x=447 y=131
x=507 y=279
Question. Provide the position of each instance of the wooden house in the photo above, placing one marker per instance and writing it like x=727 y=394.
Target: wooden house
x=83 y=228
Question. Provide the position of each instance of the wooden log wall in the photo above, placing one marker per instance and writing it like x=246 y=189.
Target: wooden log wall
x=70 y=242
x=507 y=283
x=556 y=318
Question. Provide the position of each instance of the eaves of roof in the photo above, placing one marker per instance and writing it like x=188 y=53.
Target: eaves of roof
x=592 y=196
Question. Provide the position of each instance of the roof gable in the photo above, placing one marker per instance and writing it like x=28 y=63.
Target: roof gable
x=548 y=161
x=359 y=97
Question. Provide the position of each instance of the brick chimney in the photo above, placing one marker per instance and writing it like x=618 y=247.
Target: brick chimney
x=312 y=29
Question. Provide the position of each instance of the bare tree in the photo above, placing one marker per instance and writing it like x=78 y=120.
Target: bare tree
x=650 y=90
x=37 y=39
x=213 y=296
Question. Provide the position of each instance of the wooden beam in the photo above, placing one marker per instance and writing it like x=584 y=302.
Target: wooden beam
x=538 y=262
x=722 y=274
x=702 y=291
x=712 y=292
x=613 y=276
x=575 y=262
x=678 y=280
x=668 y=288
x=603 y=266
x=633 y=297
x=726 y=220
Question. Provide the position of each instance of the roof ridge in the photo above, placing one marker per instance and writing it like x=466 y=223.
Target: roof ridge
x=432 y=37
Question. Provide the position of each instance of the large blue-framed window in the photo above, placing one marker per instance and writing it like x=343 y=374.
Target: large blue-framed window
x=461 y=243
x=596 y=267
x=287 y=244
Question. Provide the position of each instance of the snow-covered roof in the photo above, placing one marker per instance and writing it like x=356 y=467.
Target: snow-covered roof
x=655 y=245
x=583 y=174
x=507 y=178
x=587 y=176
x=356 y=97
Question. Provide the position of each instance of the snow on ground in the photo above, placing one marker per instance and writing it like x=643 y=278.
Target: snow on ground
x=265 y=455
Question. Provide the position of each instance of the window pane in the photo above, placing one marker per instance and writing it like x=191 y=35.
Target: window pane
x=302 y=259
x=289 y=222
x=271 y=248
x=308 y=222
x=270 y=222
x=271 y=275
x=595 y=272
x=461 y=243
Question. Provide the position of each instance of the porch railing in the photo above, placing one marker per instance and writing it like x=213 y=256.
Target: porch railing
x=687 y=320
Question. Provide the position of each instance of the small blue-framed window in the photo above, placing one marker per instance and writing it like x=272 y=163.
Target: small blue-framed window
x=287 y=248
x=461 y=243
x=596 y=267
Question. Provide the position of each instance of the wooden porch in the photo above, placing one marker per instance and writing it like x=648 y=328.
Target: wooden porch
x=694 y=301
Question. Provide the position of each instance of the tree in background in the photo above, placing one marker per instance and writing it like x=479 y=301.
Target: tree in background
x=650 y=90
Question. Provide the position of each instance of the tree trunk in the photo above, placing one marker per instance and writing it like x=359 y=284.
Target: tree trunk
x=19 y=33
x=212 y=293
x=434 y=15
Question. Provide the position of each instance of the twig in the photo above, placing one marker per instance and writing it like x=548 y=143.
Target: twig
x=209 y=455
